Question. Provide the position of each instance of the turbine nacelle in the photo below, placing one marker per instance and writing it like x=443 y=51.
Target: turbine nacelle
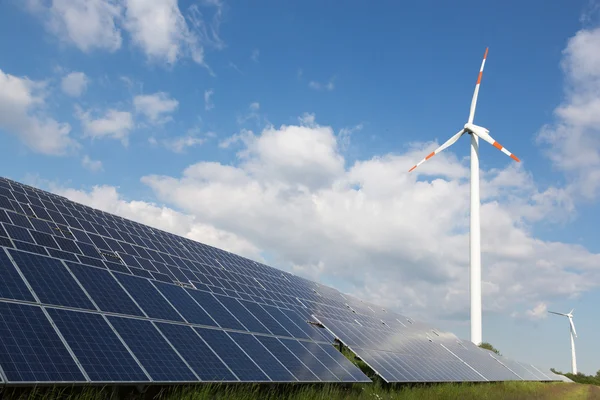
x=476 y=129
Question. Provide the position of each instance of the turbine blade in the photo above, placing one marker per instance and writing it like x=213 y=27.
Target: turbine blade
x=476 y=93
x=484 y=135
x=448 y=143
x=572 y=326
x=557 y=313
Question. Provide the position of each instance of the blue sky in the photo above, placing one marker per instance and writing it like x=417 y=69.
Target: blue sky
x=284 y=131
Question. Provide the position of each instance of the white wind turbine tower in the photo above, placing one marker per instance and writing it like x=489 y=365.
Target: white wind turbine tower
x=573 y=336
x=476 y=132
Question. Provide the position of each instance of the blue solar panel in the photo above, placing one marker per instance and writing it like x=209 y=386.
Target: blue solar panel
x=51 y=281
x=309 y=360
x=265 y=318
x=331 y=364
x=242 y=314
x=104 y=289
x=262 y=357
x=148 y=297
x=99 y=351
x=154 y=353
x=292 y=363
x=218 y=313
x=207 y=365
x=232 y=355
x=185 y=304
x=31 y=350
x=12 y=285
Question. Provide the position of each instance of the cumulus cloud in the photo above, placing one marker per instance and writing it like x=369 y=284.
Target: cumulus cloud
x=540 y=311
x=113 y=124
x=22 y=103
x=573 y=140
x=86 y=24
x=92 y=165
x=158 y=27
x=74 y=84
x=155 y=106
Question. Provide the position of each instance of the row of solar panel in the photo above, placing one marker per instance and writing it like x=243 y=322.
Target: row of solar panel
x=91 y=245
x=241 y=292
x=69 y=218
x=44 y=344
x=50 y=281
x=63 y=211
x=181 y=275
x=85 y=252
x=415 y=355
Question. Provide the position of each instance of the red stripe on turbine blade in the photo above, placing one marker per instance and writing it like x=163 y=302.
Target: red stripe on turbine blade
x=479 y=77
x=412 y=169
x=430 y=155
x=486 y=51
x=515 y=158
x=497 y=145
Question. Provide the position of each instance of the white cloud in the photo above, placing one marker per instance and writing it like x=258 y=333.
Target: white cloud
x=574 y=138
x=254 y=106
x=208 y=104
x=159 y=28
x=155 y=106
x=74 y=84
x=329 y=85
x=114 y=124
x=180 y=144
x=540 y=311
x=92 y=165
x=86 y=24
x=22 y=103
x=255 y=55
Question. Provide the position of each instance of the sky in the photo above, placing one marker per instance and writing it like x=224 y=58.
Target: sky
x=284 y=132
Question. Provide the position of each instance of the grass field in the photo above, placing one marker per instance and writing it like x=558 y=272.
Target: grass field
x=506 y=390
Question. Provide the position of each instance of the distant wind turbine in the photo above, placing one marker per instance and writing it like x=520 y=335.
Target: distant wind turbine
x=573 y=336
x=476 y=133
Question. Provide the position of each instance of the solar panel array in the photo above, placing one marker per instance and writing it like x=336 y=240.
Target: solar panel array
x=403 y=350
x=90 y=297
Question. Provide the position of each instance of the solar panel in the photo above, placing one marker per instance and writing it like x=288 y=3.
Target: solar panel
x=86 y=296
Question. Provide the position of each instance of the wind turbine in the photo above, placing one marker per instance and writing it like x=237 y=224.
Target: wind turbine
x=476 y=132
x=573 y=336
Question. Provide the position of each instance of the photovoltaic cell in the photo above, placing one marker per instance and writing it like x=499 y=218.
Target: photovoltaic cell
x=104 y=289
x=148 y=297
x=287 y=358
x=197 y=354
x=31 y=350
x=265 y=318
x=243 y=315
x=12 y=285
x=241 y=365
x=50 y=280
x=215 y=310
x=309 y=360
x=185 y=304
x=100 y=352
x=152 y=350
x=261 y=356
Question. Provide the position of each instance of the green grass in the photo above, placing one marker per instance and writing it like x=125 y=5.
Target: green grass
x=505 y=390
